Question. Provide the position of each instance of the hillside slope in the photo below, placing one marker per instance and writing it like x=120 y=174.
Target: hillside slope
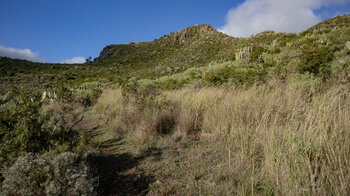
x=201 y=46
x=195 y=111
x=190 y=47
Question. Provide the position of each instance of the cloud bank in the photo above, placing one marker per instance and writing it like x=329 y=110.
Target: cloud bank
x=254 y=16
x=25 y=54
x=74 y=60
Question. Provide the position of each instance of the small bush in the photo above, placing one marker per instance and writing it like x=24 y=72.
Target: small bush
x=193 y=73
x=144 y=91
x=21 y=128
x=170 y=83
x=347 y=45
x=64 y=93
x=88 y=97
x=24 y=127
x=48 y=175
x=316 y=60
x=241 y=74
x=213 y=78
x=257 y=51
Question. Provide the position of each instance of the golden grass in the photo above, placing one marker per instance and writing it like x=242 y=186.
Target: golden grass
x=281 y=140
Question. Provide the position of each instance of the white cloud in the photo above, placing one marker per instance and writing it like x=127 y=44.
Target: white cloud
x=74 y=60
x=254 y=16
x=25 y=54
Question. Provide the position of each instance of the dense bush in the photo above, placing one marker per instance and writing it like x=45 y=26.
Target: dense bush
x=88 y=97
x=255 y=54
x=21 y=128
x=213 y=77
x=47 y=174
x=236 y=75
x=347 y=45
x=144 y=91
x=64 y=93
x=170 y=83
x=24 y=127
x=284 y=39
x=316 y=60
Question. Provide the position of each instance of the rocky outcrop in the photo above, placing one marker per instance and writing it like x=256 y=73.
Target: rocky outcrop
x=190 y=36
x=114 y=50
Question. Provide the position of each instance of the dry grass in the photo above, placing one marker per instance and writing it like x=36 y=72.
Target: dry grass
x=278 y=139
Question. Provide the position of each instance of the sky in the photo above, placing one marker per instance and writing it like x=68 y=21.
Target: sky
x=69 y=31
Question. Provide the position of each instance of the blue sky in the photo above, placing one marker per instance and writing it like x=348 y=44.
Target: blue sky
x=58 y=30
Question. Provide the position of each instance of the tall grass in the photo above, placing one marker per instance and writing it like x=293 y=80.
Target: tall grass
x=282 y=139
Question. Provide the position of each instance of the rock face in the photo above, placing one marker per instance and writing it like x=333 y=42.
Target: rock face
x=114 y=50
x=198 y=31
x=195 y=35
x=107 y=52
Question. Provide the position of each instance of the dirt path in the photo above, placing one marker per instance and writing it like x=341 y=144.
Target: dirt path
x=118 y=170
x=119 y=174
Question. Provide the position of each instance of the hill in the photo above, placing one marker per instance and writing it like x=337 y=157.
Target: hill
x=197 y=46
x=195 y=111
x=190 y=47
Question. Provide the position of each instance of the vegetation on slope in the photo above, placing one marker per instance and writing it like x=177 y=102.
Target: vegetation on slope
x=271 y=139
x=195 y=110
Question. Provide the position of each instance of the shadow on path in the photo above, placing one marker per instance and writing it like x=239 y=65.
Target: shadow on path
x=119 y=173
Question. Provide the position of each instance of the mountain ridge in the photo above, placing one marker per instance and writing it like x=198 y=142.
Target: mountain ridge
x=206 y=32
x=199 y=46
x=187 y=36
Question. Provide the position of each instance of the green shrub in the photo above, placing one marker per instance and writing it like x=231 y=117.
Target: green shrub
x=274 y=50
x=316 y=60
x=279 y=71
x=25 y=128
x=340 y=69
x=88 y=97
x=170 y=83
x=255 y=54
x=213 y=77
x=234 y=74
x=241 y=74
x=93 y=85
x=64 y=93
x=144 y=91
x=308 y=83
x=47 y=174
x=193 y=73
x=347 y=45
x=21 y=128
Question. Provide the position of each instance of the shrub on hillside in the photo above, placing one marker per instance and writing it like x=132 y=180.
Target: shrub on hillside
x=64 y=93
x=256 y=53
x=241 y=74
x=234 y=74
x=316 y=60
x=193 y=73
x=47 y=174
x=144 y=91
x=21 y=128
x=347 y=45
x=213 y=77
x=25 y=128
x=170 y=83
x=88 y=97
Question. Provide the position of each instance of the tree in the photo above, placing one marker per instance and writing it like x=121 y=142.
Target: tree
x=88 y=60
